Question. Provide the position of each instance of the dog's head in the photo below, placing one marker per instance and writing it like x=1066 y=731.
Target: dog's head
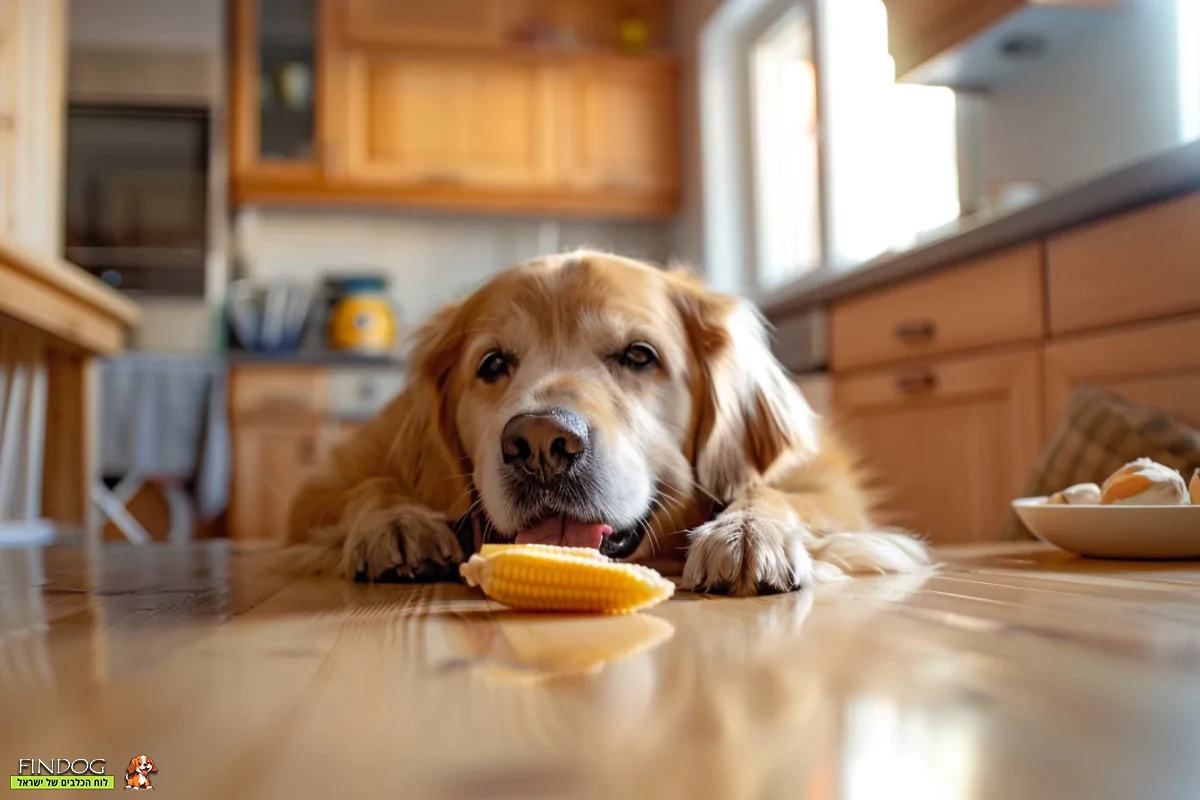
x=581 y=398
x=141 y=765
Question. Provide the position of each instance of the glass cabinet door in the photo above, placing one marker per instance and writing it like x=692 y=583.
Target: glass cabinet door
x=275 y=88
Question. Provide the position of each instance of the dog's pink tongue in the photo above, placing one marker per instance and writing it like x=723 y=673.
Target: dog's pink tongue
x=565 y=533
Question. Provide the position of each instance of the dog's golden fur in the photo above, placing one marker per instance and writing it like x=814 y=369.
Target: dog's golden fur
x=714 y=446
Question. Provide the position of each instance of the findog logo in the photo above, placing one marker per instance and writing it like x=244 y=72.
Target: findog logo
x=61 y=773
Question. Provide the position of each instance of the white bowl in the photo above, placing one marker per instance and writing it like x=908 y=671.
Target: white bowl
x=1114 y=531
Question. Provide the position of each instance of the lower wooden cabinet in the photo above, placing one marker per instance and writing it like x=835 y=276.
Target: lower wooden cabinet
x=269 y=464
x=1156 y=365
x=948 y=443
x=270 y=461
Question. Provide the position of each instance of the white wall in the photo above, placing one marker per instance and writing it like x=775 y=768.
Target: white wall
x=1108 y=99
x=148 y=24
x=428 y=259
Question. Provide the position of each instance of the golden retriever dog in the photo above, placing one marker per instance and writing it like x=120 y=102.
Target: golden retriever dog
x=595 y=401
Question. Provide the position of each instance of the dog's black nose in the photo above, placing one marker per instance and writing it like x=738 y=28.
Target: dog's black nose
x=544 y=444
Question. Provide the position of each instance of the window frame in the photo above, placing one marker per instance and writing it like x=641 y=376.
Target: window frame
x=730 y=198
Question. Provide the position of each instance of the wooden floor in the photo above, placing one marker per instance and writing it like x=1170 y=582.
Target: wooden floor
x=1014 y=672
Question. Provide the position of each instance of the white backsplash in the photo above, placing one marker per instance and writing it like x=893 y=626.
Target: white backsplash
x=428 y=259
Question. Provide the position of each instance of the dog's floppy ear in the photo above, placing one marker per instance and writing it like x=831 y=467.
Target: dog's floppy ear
x=132 y=768
x=427 y=451
x=150 y=761
x=749 y=418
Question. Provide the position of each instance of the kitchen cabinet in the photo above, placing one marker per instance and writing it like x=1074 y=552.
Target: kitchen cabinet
x=278 y=113
x=433 y=121
x=973 y=44
x=271 y=462
x=447 y=22
x=618 y=129
x=948 y=443
x=1131 y=267
x=284 y=420
x=565 y=24
x=434 y=107
x=1156 y=364
x=992 y=300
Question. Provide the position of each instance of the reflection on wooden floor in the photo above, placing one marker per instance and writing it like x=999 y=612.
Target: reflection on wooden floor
x=1012 y=672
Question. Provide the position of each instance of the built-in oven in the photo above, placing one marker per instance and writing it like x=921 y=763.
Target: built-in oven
x=137 y=196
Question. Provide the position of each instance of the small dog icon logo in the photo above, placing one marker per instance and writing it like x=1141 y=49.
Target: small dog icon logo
x=137 y=774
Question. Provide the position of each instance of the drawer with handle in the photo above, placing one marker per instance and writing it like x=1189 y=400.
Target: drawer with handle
x=996 y=299
x=948 y=442
x=361 y=393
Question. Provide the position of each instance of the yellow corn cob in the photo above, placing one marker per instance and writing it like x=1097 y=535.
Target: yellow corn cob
x=543 y=577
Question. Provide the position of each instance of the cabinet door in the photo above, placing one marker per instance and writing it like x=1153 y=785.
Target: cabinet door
x=919 y=30
x=269 y=464
x=276 y=120
x=618 y=125
x=950 y=443
x=1155 y=365
x=419 y=22
x=445 y=122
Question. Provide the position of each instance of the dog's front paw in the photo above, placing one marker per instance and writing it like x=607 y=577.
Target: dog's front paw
x=406 y=542
x=742 y=553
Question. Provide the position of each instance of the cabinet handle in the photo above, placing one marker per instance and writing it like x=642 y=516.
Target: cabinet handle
x=917 y=381
x=916 y=331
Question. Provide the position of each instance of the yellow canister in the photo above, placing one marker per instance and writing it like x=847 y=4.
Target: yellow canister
x=363 y=319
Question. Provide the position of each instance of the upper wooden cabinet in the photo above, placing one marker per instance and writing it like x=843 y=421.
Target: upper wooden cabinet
x=446 y=122
x=561 y=24
x=276 y=124
x=974 y=44
x=440 y=106
x=457 y=22
x=618 y=129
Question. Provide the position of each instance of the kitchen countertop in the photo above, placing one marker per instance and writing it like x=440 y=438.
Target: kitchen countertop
x=1015 y=671
x=1169 y=174
x=312 y=358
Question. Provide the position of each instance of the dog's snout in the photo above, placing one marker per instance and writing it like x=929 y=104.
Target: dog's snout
x=545 y=444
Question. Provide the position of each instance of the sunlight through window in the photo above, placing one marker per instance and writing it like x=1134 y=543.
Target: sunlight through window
x=786 y=150
x=892 y=147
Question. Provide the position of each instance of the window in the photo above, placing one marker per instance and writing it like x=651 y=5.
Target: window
x=786 y=152
x=892 y=148
x=814 y=158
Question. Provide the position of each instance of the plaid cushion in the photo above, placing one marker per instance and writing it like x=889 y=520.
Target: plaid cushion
x=1098 y=433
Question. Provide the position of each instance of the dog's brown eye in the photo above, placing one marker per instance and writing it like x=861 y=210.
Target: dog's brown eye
x=494 y=366
x=639 y=356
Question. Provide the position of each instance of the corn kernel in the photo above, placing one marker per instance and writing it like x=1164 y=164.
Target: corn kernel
x=541 y=577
